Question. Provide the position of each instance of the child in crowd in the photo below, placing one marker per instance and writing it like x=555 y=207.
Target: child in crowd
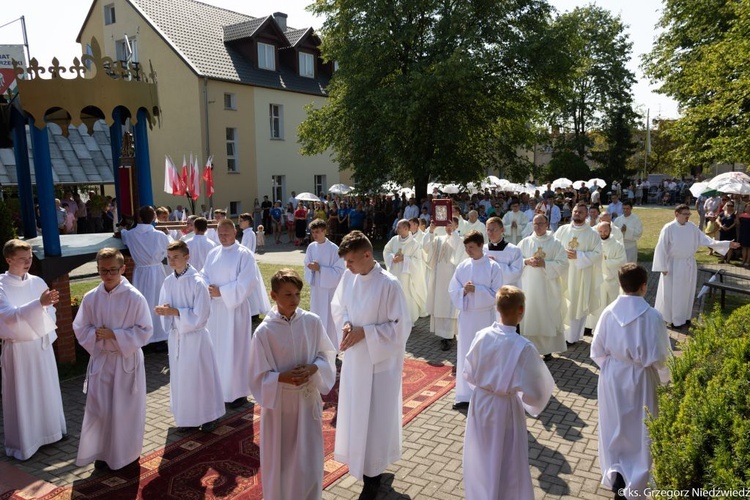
x=712 y=228
x=112 y=324
x=194 y=386
x=509 y=377
x=291 y=360
x=260 y=236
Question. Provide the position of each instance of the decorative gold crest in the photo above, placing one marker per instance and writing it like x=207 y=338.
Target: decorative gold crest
x=539 y=254
x=573 y=243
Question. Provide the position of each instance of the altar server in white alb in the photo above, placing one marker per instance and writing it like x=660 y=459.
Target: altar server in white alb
x=613 y=258
x=584 y=249
x=323 y=271
x=631 y=347
x=508 y=377
x=372 y=317
x=506 y=254
x=674 y=258
x=632 y=229
x=194 y=386
x=199 y=244
x=248 y=235
x=545 y=266
x=444 y=253
x=403 y=259
x=472 y=291
x=32 y=406
x=259 y=303
x=232 y=276
x=148 y=248
x=291 y=360
x=112 y=324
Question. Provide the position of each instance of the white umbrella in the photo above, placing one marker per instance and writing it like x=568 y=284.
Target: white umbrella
x=340 y=189
x=306 y=197
x=577 y=184
x=493 y=181
x=389 y=187
x=599 y=182
x=409 y=192
x=697 y=188
x=737 y=183
x=451 y=189
x=562 y=183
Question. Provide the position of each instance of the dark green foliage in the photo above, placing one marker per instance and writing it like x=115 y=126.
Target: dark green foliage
x=701 y=438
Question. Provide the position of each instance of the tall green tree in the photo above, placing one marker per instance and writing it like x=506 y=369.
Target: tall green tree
x=701 y=61
x=619 y=144
x=431 y=89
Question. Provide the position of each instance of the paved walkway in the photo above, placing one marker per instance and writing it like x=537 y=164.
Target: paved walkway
x=562 y=441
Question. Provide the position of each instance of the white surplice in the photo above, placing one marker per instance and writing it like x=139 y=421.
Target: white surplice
x=115 y=417
x=510 y=261
x=291 y=430
x=248 y=239
x=194 y=386
x=199 y=246
x=368 y=431
x=631 y=346
x=675 y=254
x=234 y=271
x=583 y=278
x=148 y=248
x=542 y=321
x=410 y=272
x=444 y=253
x=32 y=406
x=323 y=283
x=515 y=234
x=613 y=258
x=476 y=310
x=508 y=377
x=259 y=303
x=631 y=235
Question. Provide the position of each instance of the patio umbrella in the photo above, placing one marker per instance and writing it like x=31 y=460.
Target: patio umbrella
x=562 y=183
x=340 y=189
x=450 y=189
x=601 y=184
x=306 y=197
x=697 y=188
x=494 y=181
x=728 y=183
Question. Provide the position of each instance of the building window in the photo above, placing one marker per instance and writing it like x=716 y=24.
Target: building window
x=230 y=101
x=235 y=208
x=276 y=116
x=306 y=65
x=127 y=49
x=232 y=150
x=266 y=56
x=320 y=185
x=109 y=14
x=277 y=187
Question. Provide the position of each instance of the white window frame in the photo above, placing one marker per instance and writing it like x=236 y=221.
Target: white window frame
x=232 y=156
x=276 y=121
x=319 y=184
x=230 y=101
x=121 y=51
x=266 y=56
x=109 y=14
x=306 y=65
x=278 y=187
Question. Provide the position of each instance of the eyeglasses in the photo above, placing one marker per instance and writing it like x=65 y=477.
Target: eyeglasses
x=112 y=272
x=685 y=213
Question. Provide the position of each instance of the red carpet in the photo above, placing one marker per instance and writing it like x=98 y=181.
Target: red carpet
x=225 y=463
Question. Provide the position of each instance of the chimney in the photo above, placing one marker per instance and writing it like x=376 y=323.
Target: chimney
x=280 y=19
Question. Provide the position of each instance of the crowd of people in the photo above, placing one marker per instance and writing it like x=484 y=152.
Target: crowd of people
x=472 y=275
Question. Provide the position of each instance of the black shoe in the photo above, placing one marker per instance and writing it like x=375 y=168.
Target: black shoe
x=161 y=346
x=100 y=465
x=547 y=357
x=463 y=405
x=237 y=403
x=371 y=488
x=587 y=332
x=570 y=344
x=445 y=345
x=185 y=430
x=209 y=426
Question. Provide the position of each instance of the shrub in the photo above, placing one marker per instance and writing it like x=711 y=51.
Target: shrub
x=701 y=437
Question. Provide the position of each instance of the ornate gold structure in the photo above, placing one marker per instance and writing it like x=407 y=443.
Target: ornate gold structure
x=99 y=85
x=573 y=243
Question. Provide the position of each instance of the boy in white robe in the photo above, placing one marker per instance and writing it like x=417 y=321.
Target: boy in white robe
x=291 y=360
x=199 y=244
x=248 y=235
x=148 y=248
x=259 y=303
x=631 y=346
x=506 y=254
x=32 y=405
x=194 y=386
x=323 y=271
x=472 y=291
x=403 y=259
x=508 y=377
x=372 y=317
x=112 y=324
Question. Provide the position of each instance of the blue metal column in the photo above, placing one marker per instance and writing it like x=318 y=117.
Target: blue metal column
x=115 y=141
x=23 y=172
x=143 y=160
x=45 y=190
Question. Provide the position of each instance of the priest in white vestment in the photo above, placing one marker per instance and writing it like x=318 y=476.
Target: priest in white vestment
x=613 y=258
x=232 y=276
x=545 y=266
x=631 y=347
x=472 y=291
x=184 y=305
x=506 y=254
x=32 y=406
x=403 y=259
x=674 y=258
x=112 y=324
x=515 y=223
x=632 y=229
x=323 y=271
x=148 y=248
x=444 y=253
x=292 y=364
x=473 y=224
x=508 y=377
x=199 y=244
x=584 y=249
x=372 y=318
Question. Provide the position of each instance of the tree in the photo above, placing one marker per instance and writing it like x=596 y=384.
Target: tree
x=700 y=60
x=430 y=89
x=619 y=144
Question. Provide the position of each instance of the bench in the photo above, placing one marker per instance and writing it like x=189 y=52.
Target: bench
x=724 y=287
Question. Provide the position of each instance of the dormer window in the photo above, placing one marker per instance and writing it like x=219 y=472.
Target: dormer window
x=109 y=14
x=306 y=65
x=266 y=56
